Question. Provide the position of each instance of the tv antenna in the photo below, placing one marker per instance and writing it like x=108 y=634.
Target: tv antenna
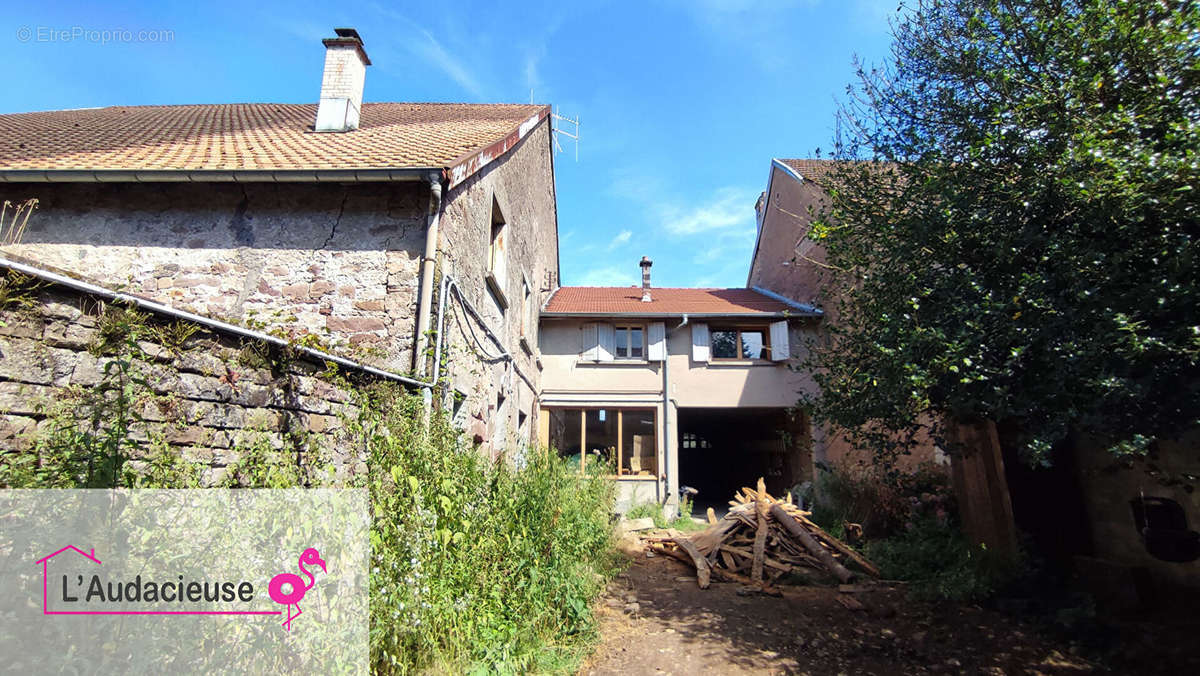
x=557 y=128
x=558 y=120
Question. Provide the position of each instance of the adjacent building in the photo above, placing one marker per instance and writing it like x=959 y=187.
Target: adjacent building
x=364 y=227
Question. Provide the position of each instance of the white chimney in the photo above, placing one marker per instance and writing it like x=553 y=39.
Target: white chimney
x=645 y=265
x=342 y=84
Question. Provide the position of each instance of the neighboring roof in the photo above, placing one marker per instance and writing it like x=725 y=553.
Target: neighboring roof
x=607 y=300
x=812 y=170
x=261 y=137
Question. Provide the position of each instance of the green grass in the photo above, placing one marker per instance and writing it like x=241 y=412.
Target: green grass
x=684 y=522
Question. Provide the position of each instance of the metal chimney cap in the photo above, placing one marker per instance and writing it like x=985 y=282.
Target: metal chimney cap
x=646 y=262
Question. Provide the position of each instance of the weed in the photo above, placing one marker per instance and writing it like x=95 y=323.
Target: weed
x=941 y=563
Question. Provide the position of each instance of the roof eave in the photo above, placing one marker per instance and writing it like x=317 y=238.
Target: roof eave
x=467 y=165
x=691 y=315
x=215 y=175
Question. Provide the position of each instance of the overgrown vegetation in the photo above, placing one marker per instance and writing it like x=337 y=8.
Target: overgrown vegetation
x=910 y=530
x=940 y=563
x=880 y=500
x=476 y=566
x=1014 y=227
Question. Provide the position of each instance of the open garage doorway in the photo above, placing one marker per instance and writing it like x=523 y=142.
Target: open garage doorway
x=724 y=449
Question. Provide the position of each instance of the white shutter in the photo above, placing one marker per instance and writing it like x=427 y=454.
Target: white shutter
x=658 y=342
x=780 y=349
x=608 y=342
x=591 y=342
x=700 y=342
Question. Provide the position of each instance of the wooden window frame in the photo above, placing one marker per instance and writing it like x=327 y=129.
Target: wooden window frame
x=620 y=411
x=644 y=328
x=740 y=329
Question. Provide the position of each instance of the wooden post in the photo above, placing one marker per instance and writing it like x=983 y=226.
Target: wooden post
x=982 y=489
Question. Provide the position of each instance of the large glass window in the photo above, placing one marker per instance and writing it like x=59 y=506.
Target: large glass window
x=739 y=344
x=626 y=439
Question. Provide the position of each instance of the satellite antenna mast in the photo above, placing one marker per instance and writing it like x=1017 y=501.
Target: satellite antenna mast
x=558 y=130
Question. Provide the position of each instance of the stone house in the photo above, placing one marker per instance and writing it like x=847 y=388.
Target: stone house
x=368 y=229
x=677 y=386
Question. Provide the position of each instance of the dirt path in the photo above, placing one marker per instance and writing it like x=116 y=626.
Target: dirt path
x=655 y=620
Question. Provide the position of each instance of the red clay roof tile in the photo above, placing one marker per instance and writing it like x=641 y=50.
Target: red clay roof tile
x=253 y=136
x=664 y=301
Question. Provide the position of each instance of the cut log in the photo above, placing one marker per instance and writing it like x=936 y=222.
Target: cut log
x=701 y=563
x=811 y=544
x=712 y=516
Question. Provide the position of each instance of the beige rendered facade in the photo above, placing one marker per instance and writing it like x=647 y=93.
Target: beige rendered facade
x=673 y=395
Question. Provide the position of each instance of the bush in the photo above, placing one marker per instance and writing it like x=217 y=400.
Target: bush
x=882 y=499
x=940 y=563
x=477 y=564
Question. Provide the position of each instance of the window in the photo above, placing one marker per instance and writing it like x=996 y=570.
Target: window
x=497 y=275
x=733 y=343
x=626 y=438
x=528 y=316
x=630 y=342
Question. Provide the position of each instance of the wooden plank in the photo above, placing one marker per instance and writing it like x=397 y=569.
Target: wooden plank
x=712 y=515
x=760 y=536
x=767 y=561
x=703 y=570
x=811 y=545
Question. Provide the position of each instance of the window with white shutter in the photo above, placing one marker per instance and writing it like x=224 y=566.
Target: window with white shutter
x=658 y=342
x=780 y=350
x=700 y=342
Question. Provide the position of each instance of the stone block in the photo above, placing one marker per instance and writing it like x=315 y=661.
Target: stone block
x=63 y=333
x=17 y=433
x=20 y=327
x=23 y=398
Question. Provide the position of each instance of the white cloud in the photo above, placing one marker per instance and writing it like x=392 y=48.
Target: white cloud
x=421 y=43
x=609 y=275
x=726 y=209
x=622 y=237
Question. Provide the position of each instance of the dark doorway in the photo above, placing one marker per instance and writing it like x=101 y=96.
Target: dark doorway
x=723 y=449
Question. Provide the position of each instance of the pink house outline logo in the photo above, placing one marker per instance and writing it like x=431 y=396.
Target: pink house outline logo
x=90 y=555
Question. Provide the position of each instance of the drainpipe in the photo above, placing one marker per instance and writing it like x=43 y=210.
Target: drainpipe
x=427 y=265
x=672 y=458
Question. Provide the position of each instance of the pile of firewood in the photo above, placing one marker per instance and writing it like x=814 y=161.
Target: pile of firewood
x=760 y=540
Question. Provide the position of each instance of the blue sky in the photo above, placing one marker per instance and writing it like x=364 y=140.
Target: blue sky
x=683 y=104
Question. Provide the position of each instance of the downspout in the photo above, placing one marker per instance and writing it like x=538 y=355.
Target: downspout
x=428 y=262
x=672 y=458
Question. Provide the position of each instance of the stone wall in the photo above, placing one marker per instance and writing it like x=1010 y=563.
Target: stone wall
x=208 y=397
x=336 y=261
x=500 y=406
x=1110 y=484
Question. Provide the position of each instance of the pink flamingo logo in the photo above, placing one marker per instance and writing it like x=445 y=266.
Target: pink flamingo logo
x=296 y=586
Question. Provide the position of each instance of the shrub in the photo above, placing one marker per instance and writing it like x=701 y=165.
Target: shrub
x=880 y=498
x=941 y=563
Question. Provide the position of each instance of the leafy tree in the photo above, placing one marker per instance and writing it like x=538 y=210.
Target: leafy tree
x=1013 y=227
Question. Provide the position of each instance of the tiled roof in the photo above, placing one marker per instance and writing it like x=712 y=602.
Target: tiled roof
x=813 y=170
x=255 y=136
x=665 y=301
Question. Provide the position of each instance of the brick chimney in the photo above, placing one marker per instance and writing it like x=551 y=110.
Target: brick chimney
x=645 y=265
x=342 y=83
